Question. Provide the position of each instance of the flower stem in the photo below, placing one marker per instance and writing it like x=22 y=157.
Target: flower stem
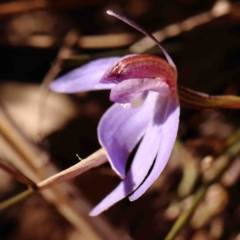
x=200 y=100
x=94 y=160
x=11 y=201
x=225 y=161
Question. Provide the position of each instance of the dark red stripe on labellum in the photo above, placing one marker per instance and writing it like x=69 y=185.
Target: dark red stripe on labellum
x=141 y=66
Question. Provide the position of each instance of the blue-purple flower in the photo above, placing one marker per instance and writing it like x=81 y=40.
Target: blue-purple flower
x=146 y=109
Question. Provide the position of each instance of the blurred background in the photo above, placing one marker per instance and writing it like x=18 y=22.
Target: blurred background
x=40 y=37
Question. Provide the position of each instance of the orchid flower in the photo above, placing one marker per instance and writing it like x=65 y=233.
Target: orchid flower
x=146 y=110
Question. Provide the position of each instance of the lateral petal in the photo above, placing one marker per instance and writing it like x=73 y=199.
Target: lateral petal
x=168 y=137
x=141 y=164
x=120 y=129
x=84 y=78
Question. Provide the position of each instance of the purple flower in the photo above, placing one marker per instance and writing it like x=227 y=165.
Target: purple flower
x=146 y=107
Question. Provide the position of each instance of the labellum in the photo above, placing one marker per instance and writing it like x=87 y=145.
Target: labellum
x=141 y=66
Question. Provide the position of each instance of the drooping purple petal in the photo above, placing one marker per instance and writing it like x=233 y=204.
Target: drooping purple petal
x=168 y=137
x=120 y=192
x=120 y=129
x=85 y=78
x=142 y=161
x=125 y=91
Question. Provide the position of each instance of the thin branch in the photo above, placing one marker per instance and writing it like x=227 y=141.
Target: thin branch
x=94 y=160
x=220 y=8
x=16 y=199
x=16 y=174
x=17 y=141
x=64 y=52
x=25 y=6
x=226 y=160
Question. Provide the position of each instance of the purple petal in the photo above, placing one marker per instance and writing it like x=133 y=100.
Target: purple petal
x=120 y=129
x=85 y=78
x=125 y=91
x=142 y=162
x=168 y=137
x=120 y=192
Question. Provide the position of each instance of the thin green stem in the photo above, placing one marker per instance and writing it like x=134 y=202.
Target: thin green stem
x=20 y=197
x=186 y=215
x=226 y=160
